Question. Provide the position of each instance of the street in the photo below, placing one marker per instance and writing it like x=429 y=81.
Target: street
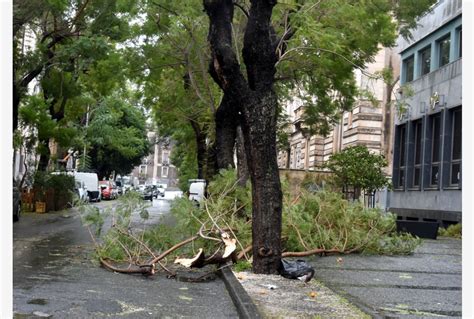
x=54 y=276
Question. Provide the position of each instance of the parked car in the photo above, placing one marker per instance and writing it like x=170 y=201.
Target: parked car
x=126 y=188
x=91 y=184
x=81 y=191
x=158 y=190
x=107 y=189
x=16 y=202
x=197 y=187
x=119 y=186
x=146 y=192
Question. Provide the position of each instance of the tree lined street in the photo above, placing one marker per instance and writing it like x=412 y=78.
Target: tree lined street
x=108 y=96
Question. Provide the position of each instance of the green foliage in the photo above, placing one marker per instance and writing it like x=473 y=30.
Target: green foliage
x=401 y=104
x=242 y=265
x=325 y=220
x=123 y=239
x=63 y=186
x=316 y=220
x=452 y=231
x=357 y=167
x=228 y=204
x=117 y=136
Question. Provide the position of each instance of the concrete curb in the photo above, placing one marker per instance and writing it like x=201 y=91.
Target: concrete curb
x=242 y=301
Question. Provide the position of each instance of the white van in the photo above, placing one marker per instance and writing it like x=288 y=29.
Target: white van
x=91 y=184
x=197 y=188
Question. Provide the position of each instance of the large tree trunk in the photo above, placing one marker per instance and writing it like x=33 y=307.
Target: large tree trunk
x=45 y=154
x=16 y=104
x=201 y=149
x=226 y=119
x=259 y=130
x=242 y=167
x=258 y=105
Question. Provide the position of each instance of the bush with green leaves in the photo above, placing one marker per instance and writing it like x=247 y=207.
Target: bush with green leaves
x=357 y=167
x=61 y=184
x=451 y=231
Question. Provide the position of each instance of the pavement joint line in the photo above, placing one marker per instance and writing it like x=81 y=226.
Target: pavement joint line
x=373 y=312
x=242 y=301
x=434 y=254
x=397 y=286
x=404 y=271
x=421 y=312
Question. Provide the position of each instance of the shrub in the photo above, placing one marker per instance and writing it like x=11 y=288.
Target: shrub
x=452 y=231
x=358 y=168
x=61 y=186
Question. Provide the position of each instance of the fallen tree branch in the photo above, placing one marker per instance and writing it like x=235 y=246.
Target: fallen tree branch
x=145 y=270
x=244 y=252
x=142 y=244
x=169 y=251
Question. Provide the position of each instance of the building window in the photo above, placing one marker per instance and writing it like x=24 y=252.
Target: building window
x=459 y=35
x=408 y=68
x=418 y=133
x=435 y=149
x=142 y=170
x=425 y=60
x=456 y=148
x=298 y=157
x=164 y=171
x=165 y=159
x=443 y=51
x=399 y=167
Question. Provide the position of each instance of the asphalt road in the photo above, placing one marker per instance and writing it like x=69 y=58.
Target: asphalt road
x=426 y=284
x=54 y=277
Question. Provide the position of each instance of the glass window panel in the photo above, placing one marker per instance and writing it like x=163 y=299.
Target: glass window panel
x=409 y=68
x=444 y=45
x=436 y=139
x=418 y=134
x=457 y=134
x=425 y=57
x=455 y=173
x=401 y=180
x=460 y=43
x=402 y=146
x=434 y=174
x=416 y=177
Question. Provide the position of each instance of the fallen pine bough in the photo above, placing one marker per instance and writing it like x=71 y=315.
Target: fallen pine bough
x=220 y=231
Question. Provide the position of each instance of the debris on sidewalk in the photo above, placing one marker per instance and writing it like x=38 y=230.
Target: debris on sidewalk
x=295 y=299
x=296 y=269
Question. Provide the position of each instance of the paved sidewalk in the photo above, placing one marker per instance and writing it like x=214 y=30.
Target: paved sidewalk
x=425 y=284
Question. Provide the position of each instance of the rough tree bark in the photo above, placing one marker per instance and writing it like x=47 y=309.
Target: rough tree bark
x=257 y=103
x=201 y=148
x=242 y=167
x=226 y=125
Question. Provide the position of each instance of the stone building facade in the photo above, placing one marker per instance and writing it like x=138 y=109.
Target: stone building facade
x=157 y=167
x=366 y=124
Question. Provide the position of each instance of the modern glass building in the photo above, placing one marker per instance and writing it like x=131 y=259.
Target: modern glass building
x=427 y=165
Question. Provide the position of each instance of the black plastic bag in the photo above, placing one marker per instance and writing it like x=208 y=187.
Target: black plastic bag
x=298 y=269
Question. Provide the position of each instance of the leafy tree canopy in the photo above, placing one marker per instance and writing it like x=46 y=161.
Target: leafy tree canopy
x=117 y=136
x=356 y=167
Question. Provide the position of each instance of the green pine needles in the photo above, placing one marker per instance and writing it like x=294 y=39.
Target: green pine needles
x=321 y=220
